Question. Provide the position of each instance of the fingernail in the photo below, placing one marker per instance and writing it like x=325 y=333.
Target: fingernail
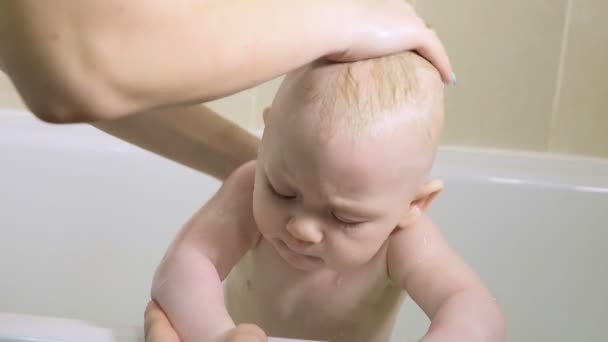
x=454 y=80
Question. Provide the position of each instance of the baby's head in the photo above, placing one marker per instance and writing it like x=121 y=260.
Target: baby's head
x=345 y=158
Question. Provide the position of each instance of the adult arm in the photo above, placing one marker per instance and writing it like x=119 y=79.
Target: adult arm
x=104 y=59
x=194 y=136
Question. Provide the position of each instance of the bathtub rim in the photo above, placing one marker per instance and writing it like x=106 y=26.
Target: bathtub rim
x=486 y=164
x=38 y=328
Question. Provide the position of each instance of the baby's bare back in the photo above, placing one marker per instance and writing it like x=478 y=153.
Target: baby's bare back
x=322 y=305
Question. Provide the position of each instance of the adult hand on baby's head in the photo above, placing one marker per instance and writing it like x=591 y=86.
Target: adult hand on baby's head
x=158 y=329
x=392 y=26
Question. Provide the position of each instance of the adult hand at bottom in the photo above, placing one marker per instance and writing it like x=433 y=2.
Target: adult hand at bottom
x=158 y=328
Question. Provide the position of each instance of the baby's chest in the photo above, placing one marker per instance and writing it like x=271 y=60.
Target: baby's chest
x=264 y=285
x=325 y=298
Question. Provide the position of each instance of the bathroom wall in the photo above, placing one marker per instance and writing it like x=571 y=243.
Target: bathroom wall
x=532 y=75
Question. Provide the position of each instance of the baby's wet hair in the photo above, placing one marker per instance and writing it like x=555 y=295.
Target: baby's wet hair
x=351 y=97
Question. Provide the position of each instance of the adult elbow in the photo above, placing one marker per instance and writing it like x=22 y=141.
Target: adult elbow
x=60 y=112
x=66 y=113
x=78 y=107
x=74 y=96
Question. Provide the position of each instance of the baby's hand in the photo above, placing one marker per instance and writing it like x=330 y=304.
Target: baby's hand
x=247 y=333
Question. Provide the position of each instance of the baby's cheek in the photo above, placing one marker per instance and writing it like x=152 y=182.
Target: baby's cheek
x=342 y=252
x=266 y=214
x=356 y=251
x=258 y=208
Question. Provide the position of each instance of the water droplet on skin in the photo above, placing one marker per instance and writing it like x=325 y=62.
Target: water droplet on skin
x=339 y=281
x=220 y=217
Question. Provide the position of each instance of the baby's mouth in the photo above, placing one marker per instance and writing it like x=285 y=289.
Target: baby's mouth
x=282 y=245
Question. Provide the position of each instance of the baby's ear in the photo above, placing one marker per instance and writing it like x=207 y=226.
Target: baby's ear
x=265 y=115
x=422 y=201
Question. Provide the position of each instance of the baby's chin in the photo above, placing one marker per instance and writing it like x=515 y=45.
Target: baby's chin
x=297 y=260
x=310 y=263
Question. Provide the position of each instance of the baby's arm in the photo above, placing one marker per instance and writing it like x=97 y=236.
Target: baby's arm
x=460 y=307
x=188 y=282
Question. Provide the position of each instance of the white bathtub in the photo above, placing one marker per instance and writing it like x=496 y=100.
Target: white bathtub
x=85 y=218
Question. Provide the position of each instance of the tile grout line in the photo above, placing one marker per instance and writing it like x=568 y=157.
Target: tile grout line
x=560 y=73
x=254 y=104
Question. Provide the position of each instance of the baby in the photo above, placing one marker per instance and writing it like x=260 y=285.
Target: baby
x=332 y=235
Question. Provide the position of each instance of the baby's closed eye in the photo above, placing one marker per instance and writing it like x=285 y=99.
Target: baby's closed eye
x=347 y=221
x=282 y=194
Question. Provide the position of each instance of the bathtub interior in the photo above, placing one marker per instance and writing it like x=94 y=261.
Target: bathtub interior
x=87 y=217
x=31 y=328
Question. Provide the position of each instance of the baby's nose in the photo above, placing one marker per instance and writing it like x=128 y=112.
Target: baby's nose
x=305 y=230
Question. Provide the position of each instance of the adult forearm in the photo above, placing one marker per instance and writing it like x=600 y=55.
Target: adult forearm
x=467 y=316
x=91 y=60
x=194 y=136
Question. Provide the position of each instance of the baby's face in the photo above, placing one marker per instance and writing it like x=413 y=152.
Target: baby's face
x=332 y=204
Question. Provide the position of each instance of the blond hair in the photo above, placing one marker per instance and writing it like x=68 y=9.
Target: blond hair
x=403 y=85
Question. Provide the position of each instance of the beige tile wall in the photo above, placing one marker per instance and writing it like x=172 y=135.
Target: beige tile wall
x=506 y=57
x=533 y=74
x=580 y=121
